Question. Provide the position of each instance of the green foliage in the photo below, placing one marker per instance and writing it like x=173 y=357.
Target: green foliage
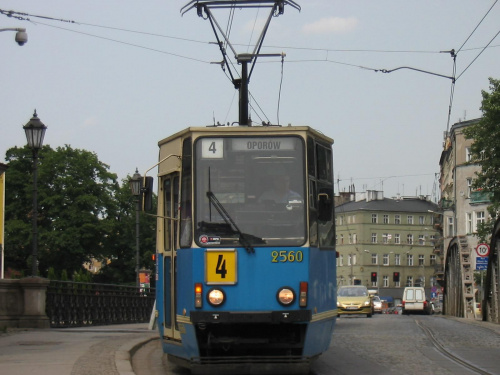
x=64 y=275
x=486 y=152
x=51 y=274
x=83 y=214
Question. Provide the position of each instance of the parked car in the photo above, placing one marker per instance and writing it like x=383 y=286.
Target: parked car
x=377 y=304
x=354 y=300
x=414 y=301
x=478 y=310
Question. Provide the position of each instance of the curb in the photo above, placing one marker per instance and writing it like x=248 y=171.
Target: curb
x=123 y=356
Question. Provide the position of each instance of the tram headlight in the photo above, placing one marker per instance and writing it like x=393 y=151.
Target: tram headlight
x=216 y=297
x=286 y=296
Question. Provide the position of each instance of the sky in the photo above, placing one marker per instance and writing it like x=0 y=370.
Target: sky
x=122 y=75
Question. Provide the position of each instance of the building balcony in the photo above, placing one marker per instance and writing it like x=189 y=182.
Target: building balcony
x=446 y=204
x=480 y=197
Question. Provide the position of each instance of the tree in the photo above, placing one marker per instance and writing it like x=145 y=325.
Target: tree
x=76 y=208
x=486 y=152
x=120 y=251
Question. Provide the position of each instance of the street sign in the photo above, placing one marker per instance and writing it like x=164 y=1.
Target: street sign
x=481 y=263
x=483 y=250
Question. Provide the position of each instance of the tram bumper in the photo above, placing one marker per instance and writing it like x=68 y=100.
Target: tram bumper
x=269 y=339
x=292 y=316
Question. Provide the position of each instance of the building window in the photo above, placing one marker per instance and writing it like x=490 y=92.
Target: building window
x=386 y=259
x=341 y=260
x=386 y=219
x=341 y=220
x=468 y=154
x=397 y=238
x=469 y=187
x=421 y=239
x=409 y=239
x=479 y=218
x=374 y=237
x=397 y=259
x=409 y=281
x=421 y=220
x=450 y=227
x=354 y=238
x=468 y=220
x=374 y=258
x=386 y=281
x=421 y=260
x=432 y=260
x=385 y=238
x=336 y=239
x=350 y=238
x=410 y=219
x=374 y=219
x=409 y=260
x=397 y=219
x=432 y=238
x=341 y=239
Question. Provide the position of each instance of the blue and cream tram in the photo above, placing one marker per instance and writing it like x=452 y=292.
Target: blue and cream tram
x=246 y=260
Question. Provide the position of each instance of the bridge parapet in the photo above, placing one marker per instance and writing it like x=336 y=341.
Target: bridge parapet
x=22 y=303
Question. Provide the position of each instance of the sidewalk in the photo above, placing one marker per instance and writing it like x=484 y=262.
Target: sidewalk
x=72 y=351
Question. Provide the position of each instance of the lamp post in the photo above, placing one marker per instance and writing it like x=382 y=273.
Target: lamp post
x=35 y=131
x=135 y=186
x=3 y=168
x=21 y=35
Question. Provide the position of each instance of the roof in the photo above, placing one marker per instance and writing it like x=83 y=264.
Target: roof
x=389 y=205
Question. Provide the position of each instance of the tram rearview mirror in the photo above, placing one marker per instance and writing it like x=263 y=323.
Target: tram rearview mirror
x=147 y=194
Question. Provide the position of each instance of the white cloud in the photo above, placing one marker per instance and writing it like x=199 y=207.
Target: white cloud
x=331 y=25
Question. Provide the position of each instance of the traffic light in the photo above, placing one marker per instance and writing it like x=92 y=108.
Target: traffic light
x=395 y=277
x=374 y=277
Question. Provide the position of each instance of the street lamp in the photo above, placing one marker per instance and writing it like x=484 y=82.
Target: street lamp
x=135 y=186
x=35 y=131
x=3 y=168
x=21 y=35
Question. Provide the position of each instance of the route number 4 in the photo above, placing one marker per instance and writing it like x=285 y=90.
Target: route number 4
x=212 y=148
x=221 y=266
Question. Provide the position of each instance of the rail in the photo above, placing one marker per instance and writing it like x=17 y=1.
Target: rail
x=75 y=304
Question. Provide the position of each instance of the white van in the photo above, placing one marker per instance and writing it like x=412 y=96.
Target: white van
x=414 y=301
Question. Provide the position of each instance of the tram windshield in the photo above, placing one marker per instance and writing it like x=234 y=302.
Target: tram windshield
x=250 y=191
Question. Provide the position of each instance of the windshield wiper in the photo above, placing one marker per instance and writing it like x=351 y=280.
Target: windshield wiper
x=243 y=238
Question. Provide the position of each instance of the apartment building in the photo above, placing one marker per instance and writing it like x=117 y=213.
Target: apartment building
x=387 y=243
x=461 y=207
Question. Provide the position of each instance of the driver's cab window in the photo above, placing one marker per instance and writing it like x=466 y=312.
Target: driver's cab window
x=251 y=188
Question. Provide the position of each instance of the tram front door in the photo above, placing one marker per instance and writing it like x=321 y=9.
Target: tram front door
x=170 y=231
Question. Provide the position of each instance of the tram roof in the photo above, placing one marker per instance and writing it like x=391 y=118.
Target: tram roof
x=239 y=130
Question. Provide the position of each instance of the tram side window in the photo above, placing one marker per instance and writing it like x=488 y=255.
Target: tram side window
x=167 y=212
x=326 y=226
x=186 y=231
x=313 y=206
x=171 y=202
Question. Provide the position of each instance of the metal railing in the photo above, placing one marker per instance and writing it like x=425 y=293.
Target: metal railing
x=74 y=304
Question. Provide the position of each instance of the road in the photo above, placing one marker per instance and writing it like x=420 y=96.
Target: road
x=385 y=344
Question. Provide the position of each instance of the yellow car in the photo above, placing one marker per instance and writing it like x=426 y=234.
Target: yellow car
x=354 y=300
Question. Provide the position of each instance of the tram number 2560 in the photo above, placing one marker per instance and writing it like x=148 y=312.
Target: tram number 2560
x=284 y=256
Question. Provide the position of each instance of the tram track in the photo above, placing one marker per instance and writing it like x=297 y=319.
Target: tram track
x=447 y=353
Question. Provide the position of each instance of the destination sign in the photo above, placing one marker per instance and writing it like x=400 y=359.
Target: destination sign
x=263 y=144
